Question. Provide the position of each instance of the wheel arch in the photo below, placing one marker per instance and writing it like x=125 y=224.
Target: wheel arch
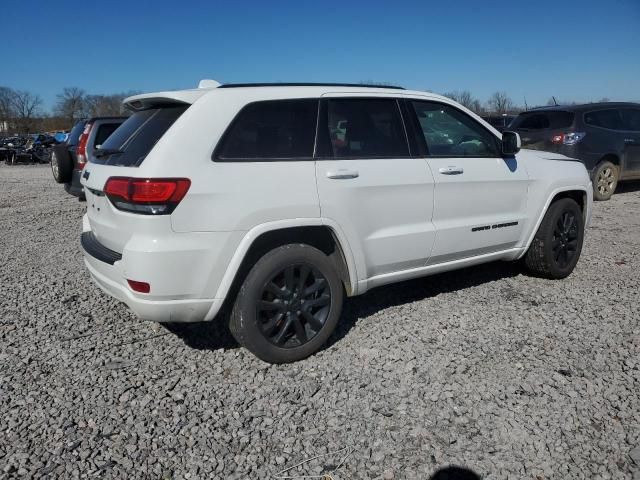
x=610 y=157
x=317 y=233
x=581 y=194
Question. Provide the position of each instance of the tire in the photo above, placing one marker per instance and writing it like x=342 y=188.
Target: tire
x=605 y=181
x=61 y=165
x=270 y=317
x=556 y=247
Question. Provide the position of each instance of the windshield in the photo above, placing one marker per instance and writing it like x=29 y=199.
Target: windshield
x=133 y=140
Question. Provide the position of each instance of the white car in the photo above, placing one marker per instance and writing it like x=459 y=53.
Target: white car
x=279 y=200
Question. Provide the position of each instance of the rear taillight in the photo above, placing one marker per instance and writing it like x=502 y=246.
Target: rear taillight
x=570 y=138
x=81 y=149
x=148 y=196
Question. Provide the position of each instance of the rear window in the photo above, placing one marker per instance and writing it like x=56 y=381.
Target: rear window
x=543 y=120
x=271 y=130
x=138 y=134
x=604 y=118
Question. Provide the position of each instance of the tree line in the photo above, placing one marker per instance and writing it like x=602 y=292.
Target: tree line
x=498 y=103
x=23 y=112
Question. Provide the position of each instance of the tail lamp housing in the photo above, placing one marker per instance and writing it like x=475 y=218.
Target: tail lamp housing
x=81 y=149
x=146 y=196
x=570 y=138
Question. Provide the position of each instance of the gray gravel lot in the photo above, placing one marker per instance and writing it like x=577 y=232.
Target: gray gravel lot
x=507 y=375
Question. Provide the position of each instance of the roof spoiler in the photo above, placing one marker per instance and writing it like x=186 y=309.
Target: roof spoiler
x=208 y=83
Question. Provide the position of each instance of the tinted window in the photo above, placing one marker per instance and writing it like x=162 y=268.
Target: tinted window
x=138 y=134
x=365 y=128
x=604 y=118
x=280 y=129
x=631 y=119
x=543 y=120
x=104 y=131
x=531 y=121
x=450 y=132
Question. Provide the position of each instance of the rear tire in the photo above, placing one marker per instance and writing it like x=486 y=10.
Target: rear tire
x=61 y=165
x=556 y=247
x=605 y=181
x=288 y=305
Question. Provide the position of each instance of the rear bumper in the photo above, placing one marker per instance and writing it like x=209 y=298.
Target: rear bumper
x=106 y=277
x=74 y=187
x=108 y=273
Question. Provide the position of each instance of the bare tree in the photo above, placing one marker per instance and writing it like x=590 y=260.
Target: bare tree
x=71 y=104
x=500 y=102
x=466 y=99
x=105 y=105
x=27 y=107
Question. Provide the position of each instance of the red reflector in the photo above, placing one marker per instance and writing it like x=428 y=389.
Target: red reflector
x=142 y=287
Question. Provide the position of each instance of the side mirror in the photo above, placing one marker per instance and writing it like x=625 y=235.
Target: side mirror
x=511 y=143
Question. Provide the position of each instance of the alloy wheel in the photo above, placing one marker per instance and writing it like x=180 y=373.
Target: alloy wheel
x=293 y=305
x=606 y=181
x=54 y=166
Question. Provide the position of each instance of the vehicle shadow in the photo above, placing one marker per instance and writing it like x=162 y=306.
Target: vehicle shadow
x=215 y=335
x=387 y=296
x=455 y=473
x=628 y=186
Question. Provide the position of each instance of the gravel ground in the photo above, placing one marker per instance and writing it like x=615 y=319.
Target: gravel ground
x=507 y=375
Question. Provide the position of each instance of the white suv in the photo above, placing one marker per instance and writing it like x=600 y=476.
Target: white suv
x=279 y=200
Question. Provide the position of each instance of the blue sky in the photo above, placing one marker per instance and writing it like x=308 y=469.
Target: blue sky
x=575 y=50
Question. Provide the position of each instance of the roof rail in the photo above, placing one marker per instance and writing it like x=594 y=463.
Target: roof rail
x=363 y=85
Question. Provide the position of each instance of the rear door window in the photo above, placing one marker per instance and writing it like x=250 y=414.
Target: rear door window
x=271 y=130
x=363 y=128
x=134 y=139
x=631 y=119
x=610 y=119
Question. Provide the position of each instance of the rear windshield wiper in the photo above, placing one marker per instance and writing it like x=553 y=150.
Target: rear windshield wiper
x=103 y=152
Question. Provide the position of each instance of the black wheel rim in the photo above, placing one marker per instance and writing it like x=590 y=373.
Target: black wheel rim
x=293 y=305
x=565 y=239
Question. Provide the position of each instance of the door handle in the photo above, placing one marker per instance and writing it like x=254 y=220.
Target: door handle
x=342 y=174
x=451 y=170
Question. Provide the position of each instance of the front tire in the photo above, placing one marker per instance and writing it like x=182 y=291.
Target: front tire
x=288 y=305
x=605 y=181
x=556 y=247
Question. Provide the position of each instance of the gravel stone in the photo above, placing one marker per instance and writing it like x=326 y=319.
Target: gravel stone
x=507 y=375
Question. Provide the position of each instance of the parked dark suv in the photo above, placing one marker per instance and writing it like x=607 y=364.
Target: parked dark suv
x=499 y=122
x=604 y=136
x=68 y=159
